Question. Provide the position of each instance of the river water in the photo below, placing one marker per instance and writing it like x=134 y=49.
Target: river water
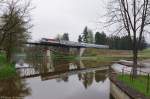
x=61 y=79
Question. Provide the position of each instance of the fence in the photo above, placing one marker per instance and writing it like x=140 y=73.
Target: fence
x=141 y=82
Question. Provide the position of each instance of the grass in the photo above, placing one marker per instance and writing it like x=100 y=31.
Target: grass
x=107 y=55
x=7 y=70
x=64 y=57
x=139 y=83
x=145 y=53
x=106 y=58
x=2 y=58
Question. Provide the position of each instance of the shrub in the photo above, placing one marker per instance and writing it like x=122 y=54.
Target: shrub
x=7 y=71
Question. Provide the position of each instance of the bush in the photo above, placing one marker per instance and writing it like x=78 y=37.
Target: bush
x=2 y=59
x=7 y=71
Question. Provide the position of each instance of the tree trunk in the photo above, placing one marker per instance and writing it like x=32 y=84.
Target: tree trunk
x=135 y=57
x=135 y=48
x=8 y=56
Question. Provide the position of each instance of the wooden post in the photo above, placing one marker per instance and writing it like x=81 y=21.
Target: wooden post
x=148 y=83
x=122 y=72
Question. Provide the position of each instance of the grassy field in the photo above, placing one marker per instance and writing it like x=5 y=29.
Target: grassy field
x=107 y=55
x=63 y=57
x=139 y=83
x=145 y=53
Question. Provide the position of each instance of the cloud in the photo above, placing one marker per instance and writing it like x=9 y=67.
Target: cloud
x=52 y=17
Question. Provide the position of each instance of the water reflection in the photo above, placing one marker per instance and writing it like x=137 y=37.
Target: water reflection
x=64 y=79
x=72 y=88
x=100 y=75
x=14 y=87
x=91 y=84
x=86 y=78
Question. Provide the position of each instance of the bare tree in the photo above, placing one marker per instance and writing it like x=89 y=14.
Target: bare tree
x=14 y=30
x=131 y=17
x=13 y=8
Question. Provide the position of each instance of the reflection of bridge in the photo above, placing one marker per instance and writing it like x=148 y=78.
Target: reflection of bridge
x=29 y=72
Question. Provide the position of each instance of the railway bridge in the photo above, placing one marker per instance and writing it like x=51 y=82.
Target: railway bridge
x=67 y=44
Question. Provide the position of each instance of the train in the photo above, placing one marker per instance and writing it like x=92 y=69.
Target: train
x=46 y=40
x=71 y=43
x=63 y=42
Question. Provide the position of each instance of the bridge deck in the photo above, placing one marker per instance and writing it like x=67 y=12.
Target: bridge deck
x=69 y=44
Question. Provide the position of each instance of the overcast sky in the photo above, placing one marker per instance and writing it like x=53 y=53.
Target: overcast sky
x=52 y=17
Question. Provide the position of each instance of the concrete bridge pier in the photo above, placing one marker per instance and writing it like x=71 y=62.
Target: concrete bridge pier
x=49 y=61
x=81 y=64
x=81 y=51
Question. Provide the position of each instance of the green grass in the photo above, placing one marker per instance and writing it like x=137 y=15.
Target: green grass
x=103 y=58
x=108 y=55
x=2 y=58
x=104 y=55
x=7 y=70
x=58 y=56
x=112 y=58
x=106 y=58
x=65 y=57
x=145 y=53
x=139 y=83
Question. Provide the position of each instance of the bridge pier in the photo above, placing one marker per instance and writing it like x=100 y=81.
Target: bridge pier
x=81 y=64
x=80 y=51
x=49 y=61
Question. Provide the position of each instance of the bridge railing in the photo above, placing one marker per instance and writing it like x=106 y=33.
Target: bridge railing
x=68 y=43
x=71 y=43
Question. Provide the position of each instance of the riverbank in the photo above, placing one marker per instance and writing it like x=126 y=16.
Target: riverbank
x=140 y=83
x=121 y=90
x=123 y=79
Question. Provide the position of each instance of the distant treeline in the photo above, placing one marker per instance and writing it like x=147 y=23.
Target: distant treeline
x=123 y=43
x=114 y=42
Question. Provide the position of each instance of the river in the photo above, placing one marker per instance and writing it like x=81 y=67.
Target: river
x=62 y=79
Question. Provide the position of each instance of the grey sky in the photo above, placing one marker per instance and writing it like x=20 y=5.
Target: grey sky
x=52 y=17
